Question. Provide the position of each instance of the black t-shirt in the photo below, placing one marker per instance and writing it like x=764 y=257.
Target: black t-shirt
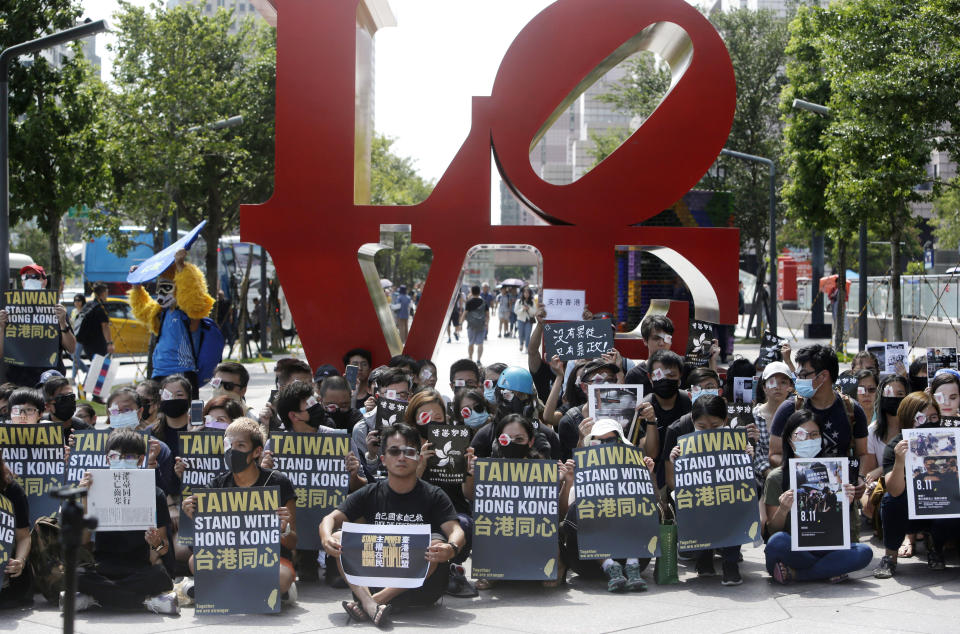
x=546 y=441
x=97 y=344
x=74 y=424
x=21 y=508
x=267 y=478
x=680 y=427
x=638 y=376
x=543 y=380
x=889 y=457
x=666 y=417
x=377 y=503
x=568 y=430
x=129 y=548
x=835 y=424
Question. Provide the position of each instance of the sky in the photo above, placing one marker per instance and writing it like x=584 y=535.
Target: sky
x=440 y=54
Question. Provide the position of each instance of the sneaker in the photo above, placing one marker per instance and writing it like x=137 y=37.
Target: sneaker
x=458 y=585
x=705 y=564
x=886 y=569
x=731 y=574
x=165 y=603
x=782 y=573
x=616 y=581
x=81 y=603
x=184 y=591
x=935 y=560
x=290 y=596
x=635 y=582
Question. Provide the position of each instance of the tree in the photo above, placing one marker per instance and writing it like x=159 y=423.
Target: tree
x=56 y=136
x=176 y=73
x=946 y=217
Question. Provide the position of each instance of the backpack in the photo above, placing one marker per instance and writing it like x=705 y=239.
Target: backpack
x=207 y=346
x=46 y=557
x=477 y=317
x=86 y=330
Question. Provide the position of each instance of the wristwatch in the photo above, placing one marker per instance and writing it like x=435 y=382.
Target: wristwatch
x=456 y=549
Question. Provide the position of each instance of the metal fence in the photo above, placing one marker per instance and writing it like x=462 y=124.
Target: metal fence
x=922 y=296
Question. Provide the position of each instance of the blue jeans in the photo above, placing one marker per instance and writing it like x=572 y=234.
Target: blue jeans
x=894 y=515
x=523 y=332
x=78 y=363
x=812 y=565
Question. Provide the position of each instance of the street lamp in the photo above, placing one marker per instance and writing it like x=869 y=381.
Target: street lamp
x=773 y=229
x=24 y=48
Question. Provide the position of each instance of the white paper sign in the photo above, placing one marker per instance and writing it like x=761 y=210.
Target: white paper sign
x=615 y=401
x=820 y=515
x=890 y=354
x=562 y=304
x=123 y=499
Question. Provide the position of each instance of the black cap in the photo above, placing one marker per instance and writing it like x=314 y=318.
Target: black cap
x=324 y=371
x=595 y=365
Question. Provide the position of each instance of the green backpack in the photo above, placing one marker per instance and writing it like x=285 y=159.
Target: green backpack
x=46 y=557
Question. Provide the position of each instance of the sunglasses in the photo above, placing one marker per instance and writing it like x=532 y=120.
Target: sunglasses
x=407 y=452
x=227 y=385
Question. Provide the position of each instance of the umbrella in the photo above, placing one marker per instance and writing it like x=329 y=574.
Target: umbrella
x=512 y=282
x=385 y=283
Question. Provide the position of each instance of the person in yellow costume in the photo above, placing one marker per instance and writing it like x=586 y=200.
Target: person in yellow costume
x=174 y=316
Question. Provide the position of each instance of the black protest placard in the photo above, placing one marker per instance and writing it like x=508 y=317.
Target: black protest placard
x=847 y=384
x=820 y=516
x=34 y=453
x=385 y=555
x=202 y=451
x=449 y=463
x=939 y=358
x=949 y=421
x=389 y=412
x=616 y=503
x=32 y=334
x=715 y=490
x=933 y=485
x=515 y=510
x=7 y=534
x=237 y=550
x=89 y=451
x=699 y=340
x=577 y=339
x=770 y=347
x=315 y=464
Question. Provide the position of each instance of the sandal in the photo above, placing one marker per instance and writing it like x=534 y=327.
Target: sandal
x=354 y=611
x=483 y=584
x=782 y=573
x=838 y=578
x=906 y=550
x=382 y=617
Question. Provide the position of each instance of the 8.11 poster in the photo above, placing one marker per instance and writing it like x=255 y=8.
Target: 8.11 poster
x=820 y=517
x=933 y=485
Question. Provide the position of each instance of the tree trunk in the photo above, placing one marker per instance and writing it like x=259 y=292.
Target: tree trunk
x=895 y=234
x=53 y=242
x=273 y=317
x=840 y=323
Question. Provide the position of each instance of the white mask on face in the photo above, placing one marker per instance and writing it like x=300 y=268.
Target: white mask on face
x=31 y=285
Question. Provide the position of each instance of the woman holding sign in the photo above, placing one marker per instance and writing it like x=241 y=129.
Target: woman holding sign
x=17 y=587
x=803 y=440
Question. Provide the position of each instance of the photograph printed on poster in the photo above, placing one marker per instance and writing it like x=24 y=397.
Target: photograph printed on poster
x=933 y=484
x=615 y=401
x=820 y=517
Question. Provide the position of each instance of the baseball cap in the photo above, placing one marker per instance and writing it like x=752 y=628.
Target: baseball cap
x=776 y=367
x=33 y=268
x=324 y=371
x=603 y=427
x=46 y=376
x=599 y=364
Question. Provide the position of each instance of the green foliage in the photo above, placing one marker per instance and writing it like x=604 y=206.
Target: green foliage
x=603 y=144
x=394 y=179
x=31 y=240
x=946 y=217
x=519 y=271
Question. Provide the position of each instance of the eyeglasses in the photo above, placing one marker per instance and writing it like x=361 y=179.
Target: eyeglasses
x=598 y=379
x=803 y=434
x=806 y=375
x=19 y=410
x=407 y=452
x=116 y=455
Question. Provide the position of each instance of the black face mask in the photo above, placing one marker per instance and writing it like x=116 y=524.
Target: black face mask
x=890 y=404
x=64 y=406
x=317 y=415
x=175 y=407
x=918 y=383
x=342 y=419
x=514 y=406
x=514 y=451
x=666 y=388
x=236 y=460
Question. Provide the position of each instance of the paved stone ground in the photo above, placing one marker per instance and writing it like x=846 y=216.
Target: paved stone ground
x=916 y=600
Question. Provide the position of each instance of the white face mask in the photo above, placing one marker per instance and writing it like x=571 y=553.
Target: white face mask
x=124 y=419
x=31 y=285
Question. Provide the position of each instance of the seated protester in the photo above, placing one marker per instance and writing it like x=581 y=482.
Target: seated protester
x=400 y=494
x=565 y=392
x=220 y=411
x=127 y=572
x=776 y=383
x=26 y=406
x=426 y=375
x=472 y=409
x=5 y=391
x=243 y=449
x=846 y=433
x=491 y=374
x=426 y=408
x=918 y=409
x=364 y=362
x=514 y=394
x=515 y=440
x=124 y=409
x=407 y=364
x=464 y=375
x=657 y=334
x=231 y=379
x=61 y=403
x=945 y=388
x=917 y=374
x=867 y=396
x=599 y=370
x=892 y=389
x=335 y=397
x=365 y=438
x=804 y=440
x=87 y=414
x=620 y=576
x=663 y=406
x=16 y=580
x=149 y=391
x=174 y=409
x=285 y=372
x=710 y=412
